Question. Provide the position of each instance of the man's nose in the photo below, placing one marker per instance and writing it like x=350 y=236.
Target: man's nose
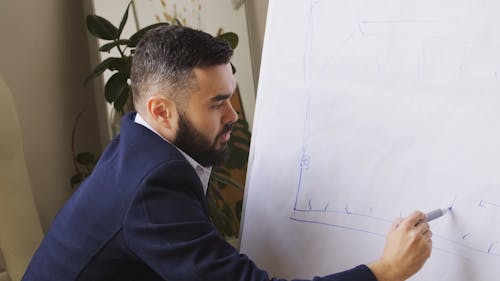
x=232 y=115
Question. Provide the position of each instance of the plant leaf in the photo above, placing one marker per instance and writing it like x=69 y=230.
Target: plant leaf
x=109 y=63
x=134 y=39
x=240 y=140
x=101 y=27
x=243 y=132
x=115 y=86
x=215 y=193
x=107 y=47
x=242 y=123
x=227 y=211
x=231 y=38
x=238 y=159
x=219 y=219
x=85 y=158
x=226 y=180
x=76 y=179
x=124 y=20
x=120 y=102
x=238 y=207
x=221 y=170
x=122 y=64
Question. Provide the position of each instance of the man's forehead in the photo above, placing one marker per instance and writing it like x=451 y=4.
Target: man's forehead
x=214 y=81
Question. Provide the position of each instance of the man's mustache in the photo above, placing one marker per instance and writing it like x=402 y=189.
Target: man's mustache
x=227 y=128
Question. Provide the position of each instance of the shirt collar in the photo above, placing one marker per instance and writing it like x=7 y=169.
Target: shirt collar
x=202 y=172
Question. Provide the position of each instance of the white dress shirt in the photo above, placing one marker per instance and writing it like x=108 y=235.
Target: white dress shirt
x=202 y=172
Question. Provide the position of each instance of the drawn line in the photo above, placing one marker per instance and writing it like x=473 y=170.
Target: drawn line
x=382 y=235
x=467 y=246
x=338 y=226
x=298 y=190
x=421 y=22
x=344 y=213
x=319 y=211
x=484 y=204
x=491 y=246
x=304 y=160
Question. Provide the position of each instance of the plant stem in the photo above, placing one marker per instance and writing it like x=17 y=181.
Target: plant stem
x=73 y=136
x=120 y=50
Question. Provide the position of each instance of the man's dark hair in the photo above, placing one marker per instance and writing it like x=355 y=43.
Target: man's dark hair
x=165 y=57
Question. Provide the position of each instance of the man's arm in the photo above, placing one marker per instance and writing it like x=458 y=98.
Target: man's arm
x=168 y=229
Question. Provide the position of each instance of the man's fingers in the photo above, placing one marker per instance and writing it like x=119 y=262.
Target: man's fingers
x=422 y=227
x=415 y=218
x=428 y=235
x=397 y=222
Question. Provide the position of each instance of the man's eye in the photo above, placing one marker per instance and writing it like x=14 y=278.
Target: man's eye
x=217 y=106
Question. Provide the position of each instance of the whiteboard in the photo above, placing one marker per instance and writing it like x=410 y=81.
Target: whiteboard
x=366 y=111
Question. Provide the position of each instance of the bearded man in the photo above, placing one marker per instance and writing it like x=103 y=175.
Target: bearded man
x=141 y=215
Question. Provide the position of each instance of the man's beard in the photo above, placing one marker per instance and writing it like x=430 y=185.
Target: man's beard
x=199 y=147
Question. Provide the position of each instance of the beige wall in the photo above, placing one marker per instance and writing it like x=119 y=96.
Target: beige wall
x=43 y=60
x=20 y=230
x=256 y=16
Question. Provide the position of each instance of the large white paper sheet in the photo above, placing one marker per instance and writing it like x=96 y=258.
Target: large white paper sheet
x=367 y=110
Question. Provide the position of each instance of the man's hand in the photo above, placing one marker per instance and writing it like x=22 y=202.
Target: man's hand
x=407 y=247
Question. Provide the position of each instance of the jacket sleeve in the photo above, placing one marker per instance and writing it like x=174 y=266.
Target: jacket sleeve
x=167 y=227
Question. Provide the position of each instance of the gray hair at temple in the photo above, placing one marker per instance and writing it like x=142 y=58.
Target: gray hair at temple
x=165 y=58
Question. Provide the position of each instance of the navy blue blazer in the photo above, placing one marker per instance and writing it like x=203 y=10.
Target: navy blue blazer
x=141 y=216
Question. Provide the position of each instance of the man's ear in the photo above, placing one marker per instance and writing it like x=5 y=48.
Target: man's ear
x=163 y=115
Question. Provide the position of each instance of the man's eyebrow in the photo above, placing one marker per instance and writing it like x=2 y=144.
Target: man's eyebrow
x=220 y=97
